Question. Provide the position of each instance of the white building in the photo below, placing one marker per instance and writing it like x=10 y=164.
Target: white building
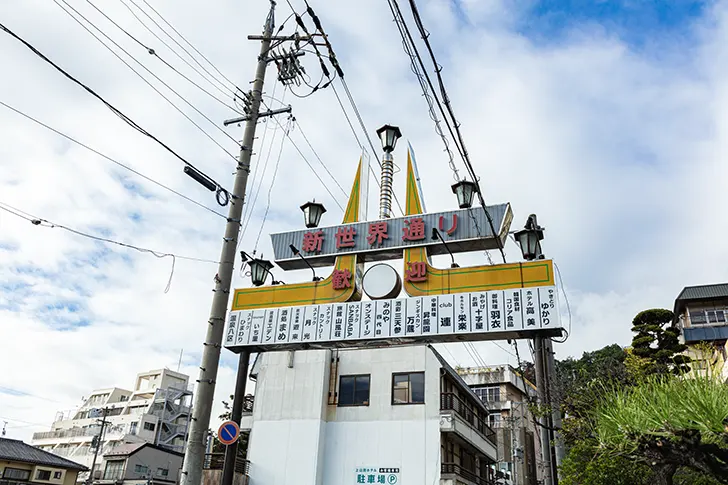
x=397 y=415
x=157 y=411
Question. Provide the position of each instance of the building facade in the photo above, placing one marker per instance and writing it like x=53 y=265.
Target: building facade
x=397 y=415
x=506 y=394
x=22 y=464
x=701 y=314
x=157 y=411
x=139 y=464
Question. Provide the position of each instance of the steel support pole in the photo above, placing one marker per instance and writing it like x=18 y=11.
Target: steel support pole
x=541 y=388
x=556 y=411
x=202 y=407
x=231 y=451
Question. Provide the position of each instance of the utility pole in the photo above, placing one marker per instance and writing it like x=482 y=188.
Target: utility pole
x=202 y=406
x=545 y=421
x=99 y=438
x=236 y=414
x=555 y=410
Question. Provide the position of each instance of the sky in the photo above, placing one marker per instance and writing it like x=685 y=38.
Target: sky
x=605 y=118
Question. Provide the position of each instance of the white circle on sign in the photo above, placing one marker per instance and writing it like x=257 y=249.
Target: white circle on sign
x=381 y=281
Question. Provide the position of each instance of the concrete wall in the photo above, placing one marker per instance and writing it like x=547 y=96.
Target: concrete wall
x=153 y=459
x=297 y=437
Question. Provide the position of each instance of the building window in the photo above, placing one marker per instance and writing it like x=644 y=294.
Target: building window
x=149 y=426
x=141 y=469
x=488 y=394
x=494 y=420
x=408 y=388
x=354 y=390
x=705 y=317
x=43 y=475
x=162 y=472
x=114 y=470
x=133 y=427
x=57 y=475
x=16 y=474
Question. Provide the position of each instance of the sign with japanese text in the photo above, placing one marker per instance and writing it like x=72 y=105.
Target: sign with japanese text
x=376 y=475
x=464 y=230
x=485 y=315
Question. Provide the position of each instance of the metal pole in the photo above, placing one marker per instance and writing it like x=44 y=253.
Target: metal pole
x=541 y=389
x=556 y=411
x=202 y=407
x=231 y=451
x=385 y=193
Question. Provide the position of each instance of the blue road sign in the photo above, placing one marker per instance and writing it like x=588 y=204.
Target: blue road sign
x=228 y=432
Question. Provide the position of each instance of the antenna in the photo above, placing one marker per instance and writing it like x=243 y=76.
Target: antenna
x=5 y=424
x=179 y=362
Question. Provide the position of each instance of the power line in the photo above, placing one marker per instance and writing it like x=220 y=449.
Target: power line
x=566 y=299
x=145 y=80
x=126 y=167
x=37 y=221
x=216 y=86
x=113 y=109
x=456 y=125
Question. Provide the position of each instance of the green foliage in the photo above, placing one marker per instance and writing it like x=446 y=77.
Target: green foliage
x=584 y=466
x=656 y=340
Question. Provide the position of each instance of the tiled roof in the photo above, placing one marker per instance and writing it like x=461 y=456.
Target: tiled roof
x=704 y=292
x=125 y=449
x=14 y=450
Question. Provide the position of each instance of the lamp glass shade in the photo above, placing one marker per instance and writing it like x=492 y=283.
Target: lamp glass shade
x=530 y=242
x=464 y=190
x=312 y=212
x=389 y=135
x=259 y=269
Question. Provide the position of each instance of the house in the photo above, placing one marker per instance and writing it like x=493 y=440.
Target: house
x=139 y=464
x=701 y=314
x=395 y=415
x=23 y=464
x=506 y=394
x=156 y=411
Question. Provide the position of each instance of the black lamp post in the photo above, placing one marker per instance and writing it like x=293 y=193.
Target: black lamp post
x=259 y=269
x=389 y=135
x=296 y=252
x=312 y=212
x=530 y=238
x=464 y=190
x=435 y=236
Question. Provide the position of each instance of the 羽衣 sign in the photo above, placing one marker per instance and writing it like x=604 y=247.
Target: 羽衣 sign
x=488 y=315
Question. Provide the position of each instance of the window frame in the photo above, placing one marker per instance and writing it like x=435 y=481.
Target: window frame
x=114 y=463
x=57 y=475
x=44 y=472
x=409 y=388
x=11 y=469
x=149 y=426
x=354 y=404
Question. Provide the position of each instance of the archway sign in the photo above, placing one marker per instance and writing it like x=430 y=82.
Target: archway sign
x=228 y=433
x=489 y=302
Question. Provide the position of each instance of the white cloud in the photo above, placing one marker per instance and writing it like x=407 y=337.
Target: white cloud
x=619 y=151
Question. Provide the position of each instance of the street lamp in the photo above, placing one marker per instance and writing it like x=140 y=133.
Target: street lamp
x=464 y=190
x=388 y=135
x=435 y=236
x=312 y=212
x=530 y=238
x=296 y=252
x=259 y=269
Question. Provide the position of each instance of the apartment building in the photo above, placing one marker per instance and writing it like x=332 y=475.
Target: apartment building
x=396 y=415
x=506 y=394
x=701 y=314
x=156 y=411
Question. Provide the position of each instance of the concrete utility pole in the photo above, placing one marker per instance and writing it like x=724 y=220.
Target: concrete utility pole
x=99 y=444
x=202 y=407
x=545 y=431
x=236 y=414
x=555 y=411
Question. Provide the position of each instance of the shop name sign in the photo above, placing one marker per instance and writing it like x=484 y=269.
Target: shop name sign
x=464 y=230
x=487 y=315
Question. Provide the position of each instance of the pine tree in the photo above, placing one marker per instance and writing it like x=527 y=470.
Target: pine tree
x=656 y=342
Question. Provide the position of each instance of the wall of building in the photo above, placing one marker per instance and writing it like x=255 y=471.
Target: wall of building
x=297 y=437
x=154 y=460
x=68 y=477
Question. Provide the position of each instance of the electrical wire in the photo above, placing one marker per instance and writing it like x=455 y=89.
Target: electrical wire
x=145 y=80
x=228 y=92
x=568 y=306
x=37 y=221
x=126 y=167
x=457 y=138
x=113 y=109
x=273 y=181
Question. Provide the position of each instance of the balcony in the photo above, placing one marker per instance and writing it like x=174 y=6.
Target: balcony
x=459 y=418
x=110 y=432
x=456 y=474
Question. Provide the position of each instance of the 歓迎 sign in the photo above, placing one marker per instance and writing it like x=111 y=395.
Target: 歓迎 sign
x=376 y=475
x=441 y=318
x=464 y=230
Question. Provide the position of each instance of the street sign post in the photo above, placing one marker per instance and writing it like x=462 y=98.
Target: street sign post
x=228 y=432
